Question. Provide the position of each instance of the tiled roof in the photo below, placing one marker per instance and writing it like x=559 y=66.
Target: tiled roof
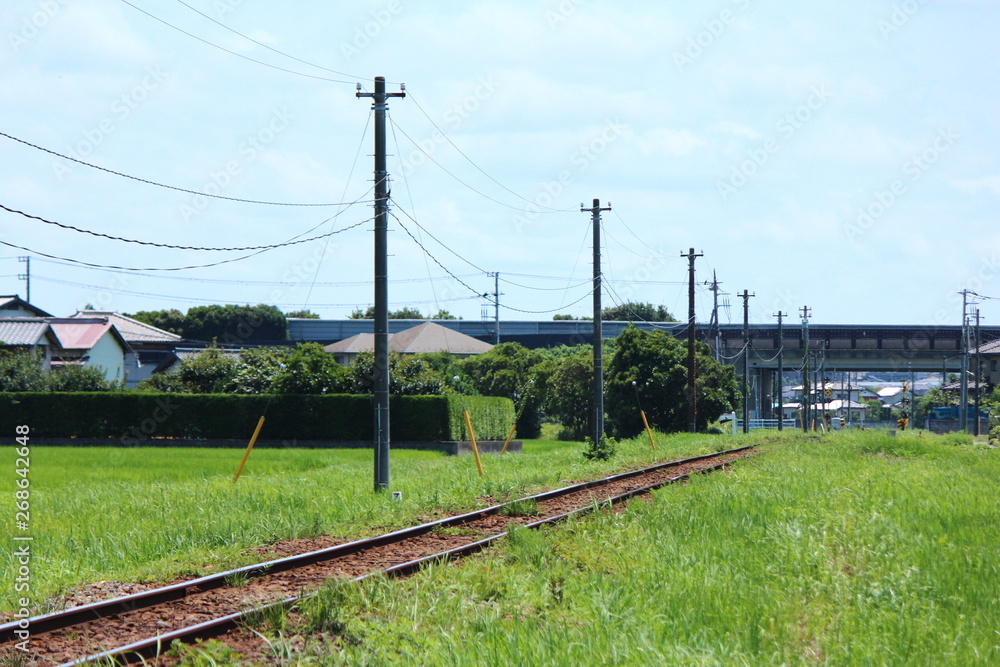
x=24 y=331
x=132 y=330
x=14 y=302
x=426 y=337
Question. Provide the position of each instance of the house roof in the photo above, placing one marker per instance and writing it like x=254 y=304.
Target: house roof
x=426 y=337
x=133 y=331
x=83 y=334
x=23 y=331
x=14 y=302
x=992 y=347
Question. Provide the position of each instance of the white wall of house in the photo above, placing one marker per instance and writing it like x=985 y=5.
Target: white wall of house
x=109 y=355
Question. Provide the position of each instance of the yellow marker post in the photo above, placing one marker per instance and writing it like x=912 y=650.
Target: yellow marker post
x=246 y=454
x=649 y=431
x=472 y=439
x=509 y=436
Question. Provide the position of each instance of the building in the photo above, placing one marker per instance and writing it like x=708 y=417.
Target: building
x=423 y=338
x=33 y=335
x=149 y=345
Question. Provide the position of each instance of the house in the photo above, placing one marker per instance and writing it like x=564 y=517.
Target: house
x=34 y=335
x=15 y=306
x=93 y=342
x=150 y=346
x=423 y=338
x=989 y=354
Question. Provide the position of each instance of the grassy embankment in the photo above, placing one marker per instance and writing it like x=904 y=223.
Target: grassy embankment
x=853 y=549
x=145 y=514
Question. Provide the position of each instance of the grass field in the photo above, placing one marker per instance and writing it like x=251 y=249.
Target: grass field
x=854 y=548
x=147 y=514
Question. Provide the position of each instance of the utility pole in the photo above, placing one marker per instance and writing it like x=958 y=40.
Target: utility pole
x=495 y=275
x=26 y=276
x=963 y=403
x=692 y=394
x=805 y=367
x=781 y=371
x=979 y=373
x=598 y=425
x=381 y=370
x=713 y=325
x=746 y=353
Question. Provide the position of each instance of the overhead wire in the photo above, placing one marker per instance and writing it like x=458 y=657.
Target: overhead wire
x=428 y=253
x=439 y=242
x=231 y=52
x=293 y=241
x=163 y=185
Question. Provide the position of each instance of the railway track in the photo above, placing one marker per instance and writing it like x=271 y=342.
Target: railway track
x=142 y=626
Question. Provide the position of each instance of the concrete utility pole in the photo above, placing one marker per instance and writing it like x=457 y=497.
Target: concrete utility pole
x=495 y=275
x=805 y=367
x=781 y=370
x=963 y=402
x=713 y=325
x=598 y=425
x=979 y=373
x=381 y=440
x=692 y=392
x=26 y=277
x=746 y=353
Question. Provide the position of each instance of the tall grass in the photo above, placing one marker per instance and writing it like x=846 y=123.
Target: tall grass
x=854 y=549
x=148 y=514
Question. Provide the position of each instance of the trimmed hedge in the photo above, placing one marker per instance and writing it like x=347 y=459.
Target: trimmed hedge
x=136 y=417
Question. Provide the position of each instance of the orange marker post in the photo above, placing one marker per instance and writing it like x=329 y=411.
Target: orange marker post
x=472 y=439
x=649 y=431
x=510 y=435
x=246 y=454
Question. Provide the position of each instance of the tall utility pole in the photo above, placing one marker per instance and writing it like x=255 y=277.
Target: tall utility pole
x=978 y=373
x=746 y=353
x=805 y=367
x=781 y=370
x=598 y=425
x=713 y=325
x=692 y=393
x=963 y=402
x=381 y=440
x=26 y=277
x=495 y=275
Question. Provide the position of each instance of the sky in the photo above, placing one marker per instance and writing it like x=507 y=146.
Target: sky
x=843 y=156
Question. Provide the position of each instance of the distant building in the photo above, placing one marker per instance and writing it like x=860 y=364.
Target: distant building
x=15 y=306
x=149 y=345
x=423 y=338
x=33 y=335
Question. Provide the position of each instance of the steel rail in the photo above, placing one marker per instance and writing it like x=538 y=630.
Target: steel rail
x=149 y=648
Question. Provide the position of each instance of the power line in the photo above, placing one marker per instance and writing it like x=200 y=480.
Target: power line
x=153 y=268
x=441 y=243
x=258 y=43
x=153 y=244
x=162 y=185
x=428 y=253
x=239 y=55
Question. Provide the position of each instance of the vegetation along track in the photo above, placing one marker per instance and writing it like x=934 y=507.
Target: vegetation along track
x=143 y=625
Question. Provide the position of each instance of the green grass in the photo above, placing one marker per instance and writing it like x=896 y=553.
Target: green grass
x=149 y=514
x=853 y=549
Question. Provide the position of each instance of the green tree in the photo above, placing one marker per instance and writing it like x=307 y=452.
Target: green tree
x=20 y=370
x=570 y=398
x=310 y=369
x=657 y=363
x=405 y=313
x=208 y=372
x=934 y=398
x=408 y=375
x=443 y=315
x=564 y=316
x=512 y=371
x=79 y=378
x=235 y=324
x=637 y=312
x=257 y=369
x=169 y=320
x=303 y=314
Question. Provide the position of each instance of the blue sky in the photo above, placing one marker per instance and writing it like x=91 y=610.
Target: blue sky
x=840 y=155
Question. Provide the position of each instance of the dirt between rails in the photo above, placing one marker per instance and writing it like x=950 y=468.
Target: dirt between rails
x=119 y=630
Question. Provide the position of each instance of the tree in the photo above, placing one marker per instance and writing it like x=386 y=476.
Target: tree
x=79 y=378
x=565 y=316
x=934 y=398
x=570 y=398
x=512 y=371
x=657 y=363
x=408 y=375
x=637 y=312
x=310 y=369
x=442 y=314
x=257 y=369
x=303 y=314
x=405 y=313
x=169 y=320
x=208 y=372
x=235 y=324
x=21 y=370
